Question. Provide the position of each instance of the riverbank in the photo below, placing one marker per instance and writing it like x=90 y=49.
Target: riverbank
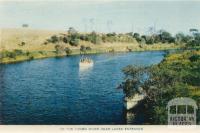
x=26 y=56
x=27 y=44
x=176 y=76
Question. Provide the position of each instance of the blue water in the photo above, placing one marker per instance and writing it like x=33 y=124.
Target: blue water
x=56 y=91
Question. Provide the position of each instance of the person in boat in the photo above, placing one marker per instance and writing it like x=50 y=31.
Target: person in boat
x=86 y=60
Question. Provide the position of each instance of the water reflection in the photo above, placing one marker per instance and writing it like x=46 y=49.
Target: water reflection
x=57 y=91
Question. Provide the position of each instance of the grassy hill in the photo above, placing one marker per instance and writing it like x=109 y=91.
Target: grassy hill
x=25 y=44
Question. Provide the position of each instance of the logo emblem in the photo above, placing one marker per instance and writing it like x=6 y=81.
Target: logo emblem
x=182 y=111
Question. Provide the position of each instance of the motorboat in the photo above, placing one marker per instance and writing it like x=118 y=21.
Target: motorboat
x=86 y=62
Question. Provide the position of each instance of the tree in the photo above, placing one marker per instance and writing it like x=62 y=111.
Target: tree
x=171 y=78
x=59 y=49
x=83 y=49
x=133 y=81
x=166 y=37
x=73 y=37
x=149 y=39
x=22 y=44
x=95 y=38
x=68 y=51
x=195 y=41
x=18 y=52
x=65 y=39
x=88 y=48
x=71 y=31
x=54 y=39
x=137 y=37
x=194 y=31
x=74 y=42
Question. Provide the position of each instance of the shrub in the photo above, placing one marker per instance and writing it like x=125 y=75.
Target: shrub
x=71 y=30
x=45 y=43
x=74 y=42
x=65 y=39
x=54 y=39
x=22 y=44
x=11 y=55
x=59 y=49
x=18 y=52
x=194 y=58
x=68 y=51
x=83 y=48
x=88 y=48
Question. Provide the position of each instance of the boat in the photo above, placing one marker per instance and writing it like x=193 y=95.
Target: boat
x=86 y=62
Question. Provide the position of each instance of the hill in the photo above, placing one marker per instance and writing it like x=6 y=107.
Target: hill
x=26 y=44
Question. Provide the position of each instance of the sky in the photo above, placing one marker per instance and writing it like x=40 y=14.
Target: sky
x=102 y=15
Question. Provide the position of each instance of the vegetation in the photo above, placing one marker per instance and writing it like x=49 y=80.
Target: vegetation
x=68 y=51
x=161 y=36
x=177 y=75
x=73 y=42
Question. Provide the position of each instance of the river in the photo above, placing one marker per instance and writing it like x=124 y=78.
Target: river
x=56 y=91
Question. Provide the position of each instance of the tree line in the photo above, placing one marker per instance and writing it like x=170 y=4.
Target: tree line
x=73 y=38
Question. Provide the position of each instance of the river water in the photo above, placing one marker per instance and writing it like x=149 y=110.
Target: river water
x=56 y=91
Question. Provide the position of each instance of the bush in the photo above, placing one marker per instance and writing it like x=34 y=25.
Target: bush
x=88 y=48
x=83 y=48
x=45 y=43
x=194 y=58
x=11 y=55
x=59 y=49
x=18 y=52
x=74 y=42
x=22 y=44
x=83 y=37
x=65 y=39
x=68 y=51
x=95 y=38
x=71 y=31
x=53 y=39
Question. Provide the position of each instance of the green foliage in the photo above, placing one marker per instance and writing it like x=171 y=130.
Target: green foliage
x=173 y=77
x=22 y=44
x=88 y=48
x=59 y=49
x=149 y=40
x=66 y=39
x=95 y=38
x=45 y=43
x=54 y=39
x=11 y=54
x=162 y=36
x=74 y=42
x=18 y=52
x=83 y=49
x=72 y=31
x=73 y=38
x=166 y=36
x=133 y=80
x=194 y=58
x=68 y=51
x=194 y=42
